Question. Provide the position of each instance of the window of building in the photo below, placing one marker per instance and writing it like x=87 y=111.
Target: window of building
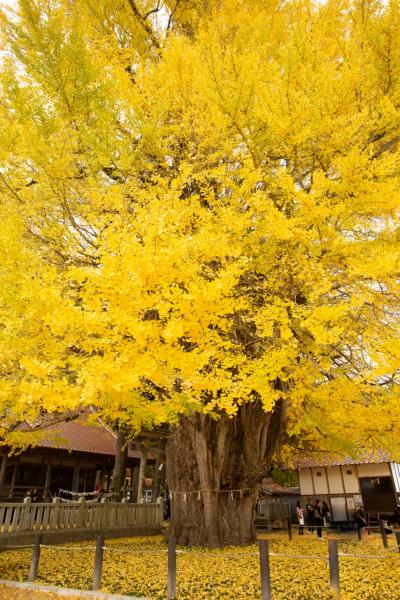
x=30 y=475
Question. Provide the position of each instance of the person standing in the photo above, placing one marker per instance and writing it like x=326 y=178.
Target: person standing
x=325 y=513
x=319 y=521
x=361 y=520
x=300 y=517
x=310 y=515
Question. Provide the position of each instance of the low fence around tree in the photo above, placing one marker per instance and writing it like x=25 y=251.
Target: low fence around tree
x=331 y=556
x=83 y=514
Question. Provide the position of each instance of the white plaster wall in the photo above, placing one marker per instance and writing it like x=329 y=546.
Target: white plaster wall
x=320 y=482
x=335 y=480
x=373 y=470
x=305 y=482
x=396 y=475
x=350 y=480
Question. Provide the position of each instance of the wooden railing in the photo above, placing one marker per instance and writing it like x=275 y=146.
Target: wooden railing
x=46 y=516
x=271 y=509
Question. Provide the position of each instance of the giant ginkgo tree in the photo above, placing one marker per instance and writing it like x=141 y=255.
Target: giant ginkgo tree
x=200 y=231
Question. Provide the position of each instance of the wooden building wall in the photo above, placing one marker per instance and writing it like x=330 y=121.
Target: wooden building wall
x=52 y=468
x=340 y=485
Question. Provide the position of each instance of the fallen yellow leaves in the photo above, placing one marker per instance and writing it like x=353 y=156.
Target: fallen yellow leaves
x=138 y=566
x=7 y=593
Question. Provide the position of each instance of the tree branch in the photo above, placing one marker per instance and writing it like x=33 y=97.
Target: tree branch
x=144 y=24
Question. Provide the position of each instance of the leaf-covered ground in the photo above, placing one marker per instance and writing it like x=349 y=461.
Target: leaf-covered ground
x=7 y=593
x=138 y=567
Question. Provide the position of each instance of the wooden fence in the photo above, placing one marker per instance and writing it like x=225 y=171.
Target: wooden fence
x=56 y=515
x=273 y=509
x=332 y=558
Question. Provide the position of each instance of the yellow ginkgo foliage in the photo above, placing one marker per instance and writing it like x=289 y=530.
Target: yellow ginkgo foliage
x=200 y=208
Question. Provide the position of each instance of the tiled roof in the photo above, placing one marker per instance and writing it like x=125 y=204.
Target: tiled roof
x=329 y=460
x=81 y=436
x=271 y=488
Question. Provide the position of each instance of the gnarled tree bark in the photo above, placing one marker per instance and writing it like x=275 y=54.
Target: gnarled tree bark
x=213 y=470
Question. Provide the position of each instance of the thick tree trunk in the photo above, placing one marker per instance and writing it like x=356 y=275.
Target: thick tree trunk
x=119 y=471
x=213 y=471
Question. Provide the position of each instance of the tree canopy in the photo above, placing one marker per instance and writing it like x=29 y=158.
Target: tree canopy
x=200 y=206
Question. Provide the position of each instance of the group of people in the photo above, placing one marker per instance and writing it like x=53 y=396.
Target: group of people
x=33 y=494
x=388 y=522
x=316 y=515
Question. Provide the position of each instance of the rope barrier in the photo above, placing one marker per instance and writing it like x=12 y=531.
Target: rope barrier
x=216 y=491
x=222 y=554
x=202 y=554
x=299 y=556
x=377 y=556
x=78 y=494
x=16 y=547
x=80 y=548
x=121 y=550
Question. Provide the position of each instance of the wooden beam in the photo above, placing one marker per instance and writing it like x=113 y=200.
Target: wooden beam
x=2 y=471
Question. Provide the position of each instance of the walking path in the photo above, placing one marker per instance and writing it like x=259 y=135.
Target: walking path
x=16 y=590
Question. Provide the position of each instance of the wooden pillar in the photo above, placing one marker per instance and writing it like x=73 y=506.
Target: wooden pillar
x=265 y=571
x=35 y=558
x=2 y=472
x=171 y=589
x=75 y=478
x=334 y=568
x=47 y=479
x=344 y=492
x=135 y=482
x=14 y=477
x=99 y=479
x=383 y=535
x=98 y=563
x=142 y=469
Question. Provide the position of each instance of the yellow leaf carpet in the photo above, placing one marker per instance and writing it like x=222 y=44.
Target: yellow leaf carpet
x=138 y=566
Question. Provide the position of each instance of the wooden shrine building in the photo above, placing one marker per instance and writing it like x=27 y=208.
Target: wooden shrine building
x=72 y=455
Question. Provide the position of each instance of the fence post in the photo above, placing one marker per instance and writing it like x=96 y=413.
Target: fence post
x=397 y=534
x=24 y=523
x=171 y=594
x=104 y=514
x=80 y=521
x=265 y=571
x=334 y=568
x=35 y=558
x=384 y=535
x=160 y=519
x=123 y=520
x=98 y=563
x=289 y=529
x=54 y=513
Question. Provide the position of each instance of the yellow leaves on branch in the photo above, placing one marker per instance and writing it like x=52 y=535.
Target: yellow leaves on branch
x=203 y=216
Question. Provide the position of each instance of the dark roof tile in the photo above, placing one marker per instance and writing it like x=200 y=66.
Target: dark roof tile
x=79 y=435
